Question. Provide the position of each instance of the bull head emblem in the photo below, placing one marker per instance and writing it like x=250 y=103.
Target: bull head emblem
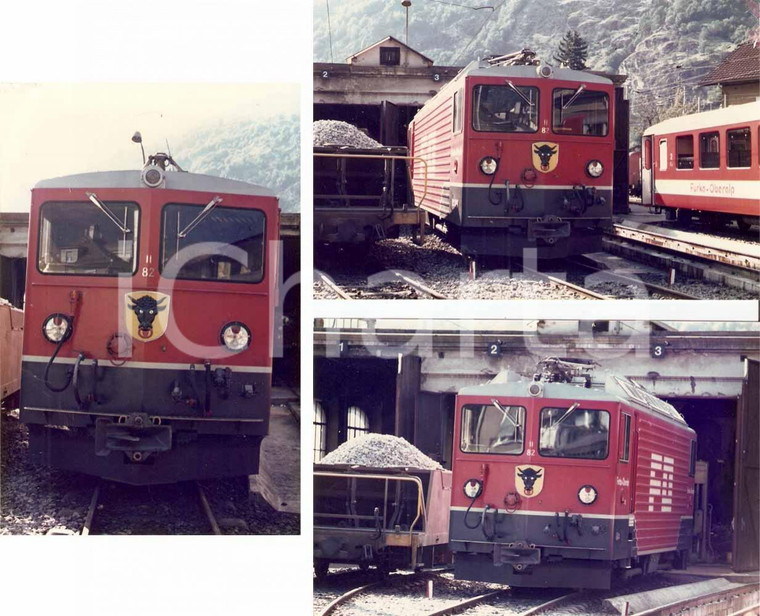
x=545 y=156
x=145 y=320
x=529 y=480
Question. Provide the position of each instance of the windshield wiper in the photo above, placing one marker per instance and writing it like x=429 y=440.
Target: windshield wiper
x=206 y=211
x=521 y=95
x=580 y=89
x=101 y=206
x=567 y=413
x=505 y=413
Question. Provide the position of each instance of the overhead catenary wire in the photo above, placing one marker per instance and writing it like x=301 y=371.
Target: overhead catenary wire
x=483 y=25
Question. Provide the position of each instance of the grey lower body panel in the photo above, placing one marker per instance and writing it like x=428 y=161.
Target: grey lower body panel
x=552 y=223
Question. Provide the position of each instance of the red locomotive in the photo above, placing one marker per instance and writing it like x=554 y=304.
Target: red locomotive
x=149 y=317
x=518 y=157
x=706 y=165
x=562 y=484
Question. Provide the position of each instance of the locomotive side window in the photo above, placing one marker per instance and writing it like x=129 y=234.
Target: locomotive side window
x=580 y=112
x=574 y=433
x=505 y=109
x=77 y=238
x=685 y=152
x=709 y=150
x=625 y=445
x=492 y=428
x=227 y=245
x=457 y=115
x=739 y=147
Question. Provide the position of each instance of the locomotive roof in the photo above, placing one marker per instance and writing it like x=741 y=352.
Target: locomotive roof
x=747 y=112
x=484 y=69
x=175 y=180
x=616 y=389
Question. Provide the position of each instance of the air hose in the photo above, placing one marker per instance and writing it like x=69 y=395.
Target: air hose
x=57 y=390
x=75 y=381
x=466 y=513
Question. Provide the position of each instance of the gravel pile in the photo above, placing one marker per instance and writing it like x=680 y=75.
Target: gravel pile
x=380 y=451
x=334 y=132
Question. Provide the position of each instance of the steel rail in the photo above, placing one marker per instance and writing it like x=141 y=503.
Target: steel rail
x=472 y=602
x=207 y=510
x=87 y=527
x=336 y=603
x=668 y=240
x=419 y=286
x=633 y=281
x=330 y=284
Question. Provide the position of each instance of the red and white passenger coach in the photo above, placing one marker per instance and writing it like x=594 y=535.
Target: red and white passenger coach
x=564 y=485
x=517 y=157
x=705 y=164
x=149 y=315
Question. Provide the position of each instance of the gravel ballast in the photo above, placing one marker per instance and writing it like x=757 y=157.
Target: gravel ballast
x=380 y=451
x=335 y=132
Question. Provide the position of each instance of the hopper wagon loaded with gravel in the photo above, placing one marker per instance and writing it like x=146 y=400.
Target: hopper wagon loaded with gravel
x=362 y=191
x=11 y=339
x=379 y=501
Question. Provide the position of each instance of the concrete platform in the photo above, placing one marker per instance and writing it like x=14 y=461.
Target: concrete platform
x=279 y=478
x=719 y=571
x=642 y=213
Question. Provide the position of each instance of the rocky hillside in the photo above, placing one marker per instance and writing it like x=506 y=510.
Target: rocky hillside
x=662 y=45
x=260 y=152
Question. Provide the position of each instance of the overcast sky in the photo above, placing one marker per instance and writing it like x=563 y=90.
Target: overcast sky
x=49 y=130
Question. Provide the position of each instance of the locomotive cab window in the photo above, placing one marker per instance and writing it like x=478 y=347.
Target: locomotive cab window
x=685 y=152
x=227 y=245
x=739 y=147
x=493 y=428
x=505 y=109
x=78 y=238
x=574 y=433
x=709 y=150
x=580 y=112
x=625 y=438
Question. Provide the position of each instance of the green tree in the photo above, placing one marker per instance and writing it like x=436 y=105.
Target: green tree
x=572 y=51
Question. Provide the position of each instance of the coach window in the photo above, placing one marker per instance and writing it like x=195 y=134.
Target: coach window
x=492 y=428
x=685 y=152
x=80 y=238
x=356 y=423
x=739 y=147
x=580 y=112
x=663 y=155
x=574 y=433
x=709 y=150
x=227 y=245
x=320 y=431
x=625 y=445
x=648 y=153
x=505 y=109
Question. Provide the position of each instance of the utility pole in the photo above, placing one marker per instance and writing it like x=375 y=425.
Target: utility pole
x=406 y=4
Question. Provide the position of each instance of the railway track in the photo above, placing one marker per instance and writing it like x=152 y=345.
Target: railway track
x=95 y=506
x=466 y=604
x=391 y=277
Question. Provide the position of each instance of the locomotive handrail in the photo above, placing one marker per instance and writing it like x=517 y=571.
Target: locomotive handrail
x=416 y=480
x=388 y=157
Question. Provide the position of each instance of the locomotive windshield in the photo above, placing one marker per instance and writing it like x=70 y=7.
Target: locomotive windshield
x=493 y=428
x=77 y=238
x=505 y=109
x=580 y=112
x=574 y=433
x=226 y=245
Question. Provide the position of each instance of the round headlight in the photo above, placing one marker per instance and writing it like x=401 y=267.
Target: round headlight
x=587 y=494
x=152 y=176
x=594 y=168
x=473 y=488
x=535 y=389
x=489 y=165
x=235 y=336
x=57 y=328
